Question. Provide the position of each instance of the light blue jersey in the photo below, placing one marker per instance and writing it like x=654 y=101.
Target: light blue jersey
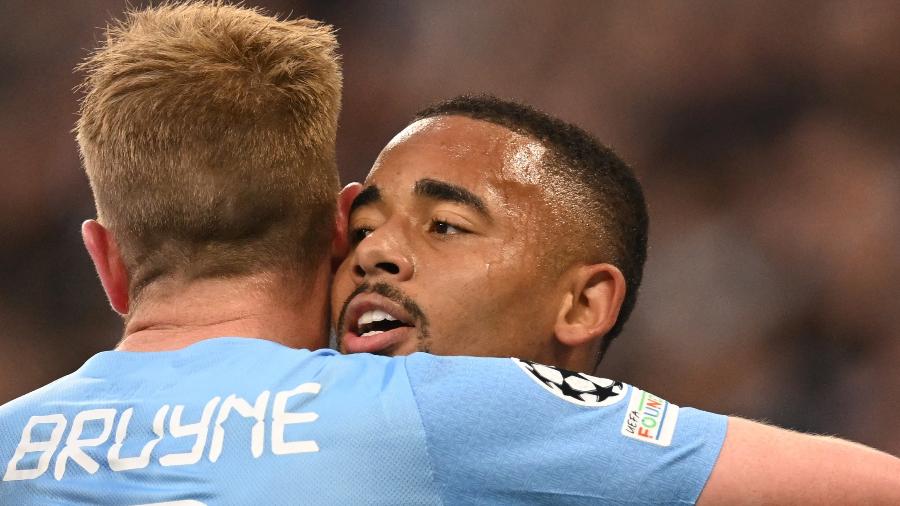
x=248 y=421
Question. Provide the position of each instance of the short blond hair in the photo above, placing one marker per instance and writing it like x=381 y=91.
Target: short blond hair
x=207 y=132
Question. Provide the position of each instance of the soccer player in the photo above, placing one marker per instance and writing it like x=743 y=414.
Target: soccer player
x=488 y=228
x=207 y=134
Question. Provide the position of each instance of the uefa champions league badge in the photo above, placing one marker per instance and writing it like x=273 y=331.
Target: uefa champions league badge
x=575 y=387
x=649 y=418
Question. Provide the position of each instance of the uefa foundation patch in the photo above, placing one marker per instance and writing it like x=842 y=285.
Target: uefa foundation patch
x=575 y=387
x=650 y=418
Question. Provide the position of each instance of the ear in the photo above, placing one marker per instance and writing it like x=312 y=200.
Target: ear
x=104 y=252
x=591 y=306
x=340 y=244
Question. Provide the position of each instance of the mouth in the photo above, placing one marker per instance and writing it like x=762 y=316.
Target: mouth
x=375 y=324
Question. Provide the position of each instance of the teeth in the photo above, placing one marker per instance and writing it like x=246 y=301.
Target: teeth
x=372 y=333
x=376 y=315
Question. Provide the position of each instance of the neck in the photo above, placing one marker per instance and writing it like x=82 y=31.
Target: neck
x=580 y=358
x=172 y=314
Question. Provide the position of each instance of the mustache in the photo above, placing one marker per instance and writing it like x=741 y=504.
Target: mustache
x=389 y=292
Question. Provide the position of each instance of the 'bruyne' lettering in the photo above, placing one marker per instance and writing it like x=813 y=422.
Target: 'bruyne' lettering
x=167 y=422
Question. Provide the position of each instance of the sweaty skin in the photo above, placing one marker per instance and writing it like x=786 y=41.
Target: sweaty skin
x=489 y=259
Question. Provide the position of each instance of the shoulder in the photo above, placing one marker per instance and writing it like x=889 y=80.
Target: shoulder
x=509 y=380
x=539 y=425
x=27 y=402
x=535 y=393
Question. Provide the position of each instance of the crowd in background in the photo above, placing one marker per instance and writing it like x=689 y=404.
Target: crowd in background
x=767 y=137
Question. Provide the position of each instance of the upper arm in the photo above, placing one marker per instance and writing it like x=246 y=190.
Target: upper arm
x=762 y=464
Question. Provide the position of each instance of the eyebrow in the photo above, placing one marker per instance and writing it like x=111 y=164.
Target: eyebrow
x=368 y=196
x=439 y=190
x=429 y=188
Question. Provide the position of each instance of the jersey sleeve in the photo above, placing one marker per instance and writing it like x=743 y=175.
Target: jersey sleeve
x=511 y=431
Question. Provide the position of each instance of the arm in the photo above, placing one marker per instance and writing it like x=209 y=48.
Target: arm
x=761 y=464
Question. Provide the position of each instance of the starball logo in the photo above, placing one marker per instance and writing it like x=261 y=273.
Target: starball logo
x=650 y=418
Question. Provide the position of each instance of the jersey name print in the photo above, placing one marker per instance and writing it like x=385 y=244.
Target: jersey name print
x=167 y=423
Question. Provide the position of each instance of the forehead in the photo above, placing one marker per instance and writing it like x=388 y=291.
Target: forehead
x=478 y=155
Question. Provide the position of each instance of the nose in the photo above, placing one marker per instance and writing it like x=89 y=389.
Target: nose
x=382 y=254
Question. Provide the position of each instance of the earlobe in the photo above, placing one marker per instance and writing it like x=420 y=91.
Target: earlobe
x=108 y=262
x=591 y=307
x=340 y=244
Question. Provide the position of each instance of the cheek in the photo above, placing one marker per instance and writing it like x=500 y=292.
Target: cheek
x=493 y=290
x=341 y=287
x=472 y=295
x=512 y=262
x=479 y=275
x=517 y=295
x=459 y=298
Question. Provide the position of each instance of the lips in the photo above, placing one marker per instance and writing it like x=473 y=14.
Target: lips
x=375 y=324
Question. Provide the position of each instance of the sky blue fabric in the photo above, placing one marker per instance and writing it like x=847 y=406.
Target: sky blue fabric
x=248 y=421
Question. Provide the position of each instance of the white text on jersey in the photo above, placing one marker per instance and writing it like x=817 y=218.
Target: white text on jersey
x=72 y=450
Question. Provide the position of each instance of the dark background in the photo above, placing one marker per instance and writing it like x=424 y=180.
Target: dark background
x=765 y=133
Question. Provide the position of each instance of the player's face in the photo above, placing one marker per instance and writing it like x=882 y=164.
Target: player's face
x=450 y=243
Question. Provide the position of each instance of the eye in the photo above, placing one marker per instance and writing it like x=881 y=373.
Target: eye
x=441 y=227
x=356 y=235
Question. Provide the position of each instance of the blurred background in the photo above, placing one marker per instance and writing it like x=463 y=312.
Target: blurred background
x=766 y=134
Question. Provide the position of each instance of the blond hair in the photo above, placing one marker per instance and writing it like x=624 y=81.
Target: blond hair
x=207 y=132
